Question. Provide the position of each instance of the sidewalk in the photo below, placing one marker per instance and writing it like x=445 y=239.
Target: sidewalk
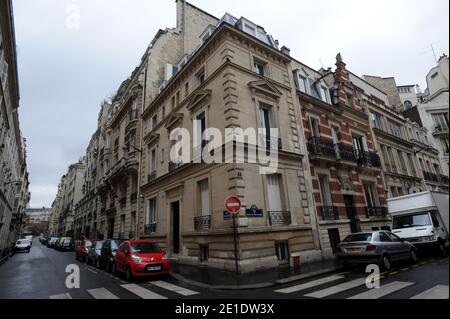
x=217 y=279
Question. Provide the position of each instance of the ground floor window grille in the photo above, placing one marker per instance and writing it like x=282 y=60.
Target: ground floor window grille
x=282 y=249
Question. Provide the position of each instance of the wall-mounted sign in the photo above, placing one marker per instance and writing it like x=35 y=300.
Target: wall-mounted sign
x=254 y=212
x=227 y=215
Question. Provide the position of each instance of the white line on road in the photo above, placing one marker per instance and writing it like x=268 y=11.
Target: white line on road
x=437 y=292
x=338 y=288
x=384 y=290
x=174 y=288
x=102 y=293
x=142 y=292
x=61 y=296
x=92 y=271
x=309 y=284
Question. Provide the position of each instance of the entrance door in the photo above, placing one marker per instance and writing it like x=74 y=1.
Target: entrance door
x=351 y=213
x=176 y=227
x=111 y=228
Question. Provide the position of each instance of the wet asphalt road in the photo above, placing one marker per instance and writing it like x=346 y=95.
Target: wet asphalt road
x=41 y=274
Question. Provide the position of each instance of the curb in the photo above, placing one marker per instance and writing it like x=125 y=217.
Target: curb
x=255 y=286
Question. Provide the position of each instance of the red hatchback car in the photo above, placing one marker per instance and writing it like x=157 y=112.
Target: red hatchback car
x=81 y=249
x=141 y=258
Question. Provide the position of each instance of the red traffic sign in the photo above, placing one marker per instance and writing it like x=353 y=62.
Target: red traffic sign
x=233 y=204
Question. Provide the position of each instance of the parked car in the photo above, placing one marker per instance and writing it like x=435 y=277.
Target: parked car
x=67 y=244
x=377 y=247
x=43 y=240
x=82 y=249
x=51 y=242
x=30 y=238
x=93 y=257
x=108 y=253
x=59 y=242
x=140 y=258
x=23 y=245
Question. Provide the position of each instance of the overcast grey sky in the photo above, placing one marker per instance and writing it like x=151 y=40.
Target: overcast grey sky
x=65 y=73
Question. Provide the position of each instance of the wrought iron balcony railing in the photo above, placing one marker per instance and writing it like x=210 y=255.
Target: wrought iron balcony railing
x=430 y=177
x=202 y=222
x=443 y=179
x=368 y=158
x=345 y=152
x=378 y=212
x=174 y=166
x=321 y=146
x=329 y=212
x=282 y=218
x=150 y=229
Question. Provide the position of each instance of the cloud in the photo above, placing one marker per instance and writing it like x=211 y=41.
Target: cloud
x=65 y=73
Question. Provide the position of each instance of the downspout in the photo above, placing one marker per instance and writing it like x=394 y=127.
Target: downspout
x=141 y=138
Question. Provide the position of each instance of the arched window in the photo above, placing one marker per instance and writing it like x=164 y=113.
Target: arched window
x=408 y=104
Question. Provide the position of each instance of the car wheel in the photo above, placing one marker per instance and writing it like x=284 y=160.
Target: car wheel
x=386 y=262
x=128 y=274
x=413 y=256
x=28 y=251
x=442 y=251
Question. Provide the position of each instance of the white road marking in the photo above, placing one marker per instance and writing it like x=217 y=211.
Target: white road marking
x=437 y=292
x=142 y=292
x=92 y=271
x=61 y=296
x=309 y=284
x=338 y=288
x=102 y=293
x=384 y=290
x=174 y=288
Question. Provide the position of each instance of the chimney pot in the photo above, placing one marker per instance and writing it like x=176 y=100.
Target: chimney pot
x=286 y=50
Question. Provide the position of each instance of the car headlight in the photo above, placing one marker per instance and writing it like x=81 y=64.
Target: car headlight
x=429 y=238
x=136 y=259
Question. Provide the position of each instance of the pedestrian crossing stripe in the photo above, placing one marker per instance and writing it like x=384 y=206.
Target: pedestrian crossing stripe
x=102 y=293
x=142 y=292
x=337 y=289
x=384 y=290
x=61 y=296
x=437 y=292
x=174 y=288
x=310 y=284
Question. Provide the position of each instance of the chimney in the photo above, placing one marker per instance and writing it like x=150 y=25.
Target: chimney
x=286 y=50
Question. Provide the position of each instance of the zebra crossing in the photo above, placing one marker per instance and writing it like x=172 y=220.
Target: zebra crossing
x=135 y=290
x=334 y=284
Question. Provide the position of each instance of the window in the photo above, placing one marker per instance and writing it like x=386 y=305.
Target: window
x=267 y=122
x=324 y=94
x=173 y=102
x=200 y=77
x=186 y=89
x=178 y=98
x=325 y=192
x=402 y=162
x=201 y=128
x=445 y=144
x=163 y=112
x=396 y=129
x=392 y=160
x=204 y=253
x=162 y=155
x=371 y=193
x=152 y=161
x=260 y=67
x=384 y=237
x=408 y=104
x=301 y=83
x=274 y=193
x=153 y=122
x=314 y=127
x=441 y=121
x=204 y=198
x=151 y=217
x=282 y=250
x=358 y=144
x=249 y=29
x=377 y=121
x=411 y=165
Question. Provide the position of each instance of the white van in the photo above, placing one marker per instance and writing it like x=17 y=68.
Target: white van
x=421 y=219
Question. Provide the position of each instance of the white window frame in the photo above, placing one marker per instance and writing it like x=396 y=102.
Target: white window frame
x=326 y=196
x=152 y=216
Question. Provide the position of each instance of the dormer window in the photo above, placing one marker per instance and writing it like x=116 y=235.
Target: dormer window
x=324 y=94
x=260 y=67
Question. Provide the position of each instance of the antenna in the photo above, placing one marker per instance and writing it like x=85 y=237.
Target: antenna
x=434 y=53
x=321 y=63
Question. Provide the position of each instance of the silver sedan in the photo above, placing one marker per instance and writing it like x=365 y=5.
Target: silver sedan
x=376 y=247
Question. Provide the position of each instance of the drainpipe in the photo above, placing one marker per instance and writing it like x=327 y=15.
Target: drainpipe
x=141 y=138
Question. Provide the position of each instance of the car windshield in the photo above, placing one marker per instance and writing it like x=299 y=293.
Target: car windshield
x=416 y=220
x=115 y=244
x=98 y=245
x=145 y=248
x=67 y=242
x=358 y=237
x=23 y=242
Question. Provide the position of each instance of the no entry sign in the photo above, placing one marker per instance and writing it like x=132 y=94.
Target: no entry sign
x=233 y=204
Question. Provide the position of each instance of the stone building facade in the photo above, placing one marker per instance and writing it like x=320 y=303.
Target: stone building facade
x=14 y=194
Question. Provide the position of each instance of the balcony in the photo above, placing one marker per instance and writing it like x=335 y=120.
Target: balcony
x=282 y=218
x=322 y=147
x=443 y=179
x=150 y=229
x=345 y=152
x=369 y=159
x=133 y=198
x=376 y=212
x=202 y=223
x=133 y=115
x=441 y=130
x=152 y=177
x=174 y=166
x=329 y=212
x=430 y=177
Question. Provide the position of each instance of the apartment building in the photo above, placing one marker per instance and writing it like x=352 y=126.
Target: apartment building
x=344 y=164
x=56 y=209
x=14 y=195
x=236 y=77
